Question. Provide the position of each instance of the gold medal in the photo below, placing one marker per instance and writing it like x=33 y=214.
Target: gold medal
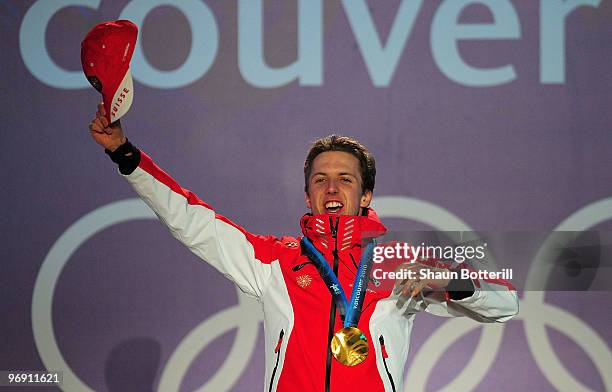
x=349 y=346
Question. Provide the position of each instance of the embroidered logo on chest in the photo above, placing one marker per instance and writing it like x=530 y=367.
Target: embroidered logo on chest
x=303 y=280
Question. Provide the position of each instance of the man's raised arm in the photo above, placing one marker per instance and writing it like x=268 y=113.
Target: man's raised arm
x=244 y=258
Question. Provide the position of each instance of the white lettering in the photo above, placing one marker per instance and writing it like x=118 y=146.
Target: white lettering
x=446 y=31
x=415 y=252
x=389 y=252
x=402 y=274
x=381 y=57
x=34 y=52
x=309 y=65
x=381 y=60
x=505 y=273
x=376 y=272
x=377 y=254
x=427 y=274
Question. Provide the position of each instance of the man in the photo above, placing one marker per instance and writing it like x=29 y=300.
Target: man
x=300 y=281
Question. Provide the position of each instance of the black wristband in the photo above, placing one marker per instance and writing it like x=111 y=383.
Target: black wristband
x=126 y=156
x=460 y=288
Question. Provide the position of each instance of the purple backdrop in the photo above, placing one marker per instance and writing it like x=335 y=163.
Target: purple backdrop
x=127 y=308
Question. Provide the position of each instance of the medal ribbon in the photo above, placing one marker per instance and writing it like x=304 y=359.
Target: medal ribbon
x=350 y=311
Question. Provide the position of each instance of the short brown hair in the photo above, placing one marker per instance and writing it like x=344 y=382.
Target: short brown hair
x=346 y=144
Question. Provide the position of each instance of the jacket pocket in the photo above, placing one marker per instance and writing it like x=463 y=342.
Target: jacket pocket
x=277 y=352
x=383 y=351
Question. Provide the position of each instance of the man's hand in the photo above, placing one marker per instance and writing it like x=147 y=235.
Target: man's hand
x=109 y=136
x=419 y=281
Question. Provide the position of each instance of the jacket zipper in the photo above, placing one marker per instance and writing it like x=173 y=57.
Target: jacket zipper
x=300 y=266
x=332 y=313
x=384 y=357
x=277 y=351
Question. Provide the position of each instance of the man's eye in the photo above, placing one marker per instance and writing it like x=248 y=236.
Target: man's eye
x=346 y=179
x=318 y=180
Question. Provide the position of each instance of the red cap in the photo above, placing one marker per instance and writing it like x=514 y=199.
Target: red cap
x=106 y=52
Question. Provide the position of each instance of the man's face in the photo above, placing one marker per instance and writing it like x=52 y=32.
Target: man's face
x=334 y=186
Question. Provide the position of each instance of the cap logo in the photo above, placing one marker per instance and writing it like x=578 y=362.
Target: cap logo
x=119 y=101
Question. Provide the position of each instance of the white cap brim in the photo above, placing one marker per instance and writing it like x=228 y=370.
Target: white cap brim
x=123 y=97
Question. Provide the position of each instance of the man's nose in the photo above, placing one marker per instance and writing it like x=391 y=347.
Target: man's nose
x=332 y=187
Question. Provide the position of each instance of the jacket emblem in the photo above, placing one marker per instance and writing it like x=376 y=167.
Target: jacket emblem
x=303 y=280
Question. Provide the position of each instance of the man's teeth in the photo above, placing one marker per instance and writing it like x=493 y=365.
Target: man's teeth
x=333 y=204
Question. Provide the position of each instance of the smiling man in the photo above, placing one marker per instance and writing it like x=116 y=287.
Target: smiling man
x=328 y=325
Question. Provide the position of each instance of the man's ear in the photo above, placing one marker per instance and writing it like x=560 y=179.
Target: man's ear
x=307 y=201
x=366 y=199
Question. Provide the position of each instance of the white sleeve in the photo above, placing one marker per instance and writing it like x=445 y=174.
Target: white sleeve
x=241 y=256
x=492 y=301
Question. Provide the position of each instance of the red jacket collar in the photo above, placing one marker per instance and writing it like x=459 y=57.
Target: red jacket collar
x=349 y=230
